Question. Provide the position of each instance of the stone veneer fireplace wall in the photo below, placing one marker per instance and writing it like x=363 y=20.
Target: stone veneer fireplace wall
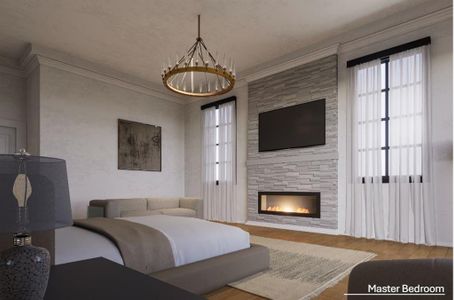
x=312 y=169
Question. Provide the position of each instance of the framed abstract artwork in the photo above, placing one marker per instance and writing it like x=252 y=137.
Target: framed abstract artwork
x=139 y=146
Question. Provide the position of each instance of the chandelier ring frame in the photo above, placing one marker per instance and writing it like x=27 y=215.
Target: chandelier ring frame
x=201 y=69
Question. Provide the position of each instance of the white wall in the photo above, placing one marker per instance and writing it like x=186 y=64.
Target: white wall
x=193 y=147
x=12 y=105
x=442 y=134
x=12 y=97
x=32 y=109
x=441 y=75
x=78 y=122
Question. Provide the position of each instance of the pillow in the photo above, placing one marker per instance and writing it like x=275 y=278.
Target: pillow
x=181 y=212
x=138 y=213
x=159 y=203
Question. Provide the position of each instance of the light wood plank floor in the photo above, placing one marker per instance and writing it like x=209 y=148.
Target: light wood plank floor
x=383 y=249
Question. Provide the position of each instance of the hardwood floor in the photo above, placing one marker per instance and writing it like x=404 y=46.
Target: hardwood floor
x=383 y=249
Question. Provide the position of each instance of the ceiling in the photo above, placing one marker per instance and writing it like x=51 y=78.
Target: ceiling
x=135 y=37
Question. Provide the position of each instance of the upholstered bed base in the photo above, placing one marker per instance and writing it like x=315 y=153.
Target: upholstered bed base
x=213 y=273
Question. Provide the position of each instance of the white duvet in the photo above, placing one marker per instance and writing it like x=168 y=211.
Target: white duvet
x=73 y=243
x=191 y=240
x=195 y=239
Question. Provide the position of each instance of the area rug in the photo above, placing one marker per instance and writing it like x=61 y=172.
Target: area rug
x=300 y=270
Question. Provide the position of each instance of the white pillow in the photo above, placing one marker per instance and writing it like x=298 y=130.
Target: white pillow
x=138 y=213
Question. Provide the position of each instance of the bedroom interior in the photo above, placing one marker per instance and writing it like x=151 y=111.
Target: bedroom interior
x=226 y=149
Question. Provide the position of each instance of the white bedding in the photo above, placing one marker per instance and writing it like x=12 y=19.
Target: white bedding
x=194 y=239
x=191 y=240
x=74 y=243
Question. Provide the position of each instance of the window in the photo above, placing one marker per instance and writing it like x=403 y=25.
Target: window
x=389 y=141
x=219 y=160
x=219 y=139
x=400 y=122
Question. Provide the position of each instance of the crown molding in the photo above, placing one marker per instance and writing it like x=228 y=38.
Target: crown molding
x=46 y=61
x=303 y=59
x=9 y=66
x=31 y=65
x=35 y=55
x=16 y=72
x=8 y=62
x=397 y=30
x=341 y=47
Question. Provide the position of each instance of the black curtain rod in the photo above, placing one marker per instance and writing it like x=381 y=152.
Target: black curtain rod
x=217 y=103
x=388 y=52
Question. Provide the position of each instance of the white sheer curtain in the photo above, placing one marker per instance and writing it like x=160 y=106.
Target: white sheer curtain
x=219 y=183
x=411 y=215
x=209 y=150
x=401 y=210
x=364 y=207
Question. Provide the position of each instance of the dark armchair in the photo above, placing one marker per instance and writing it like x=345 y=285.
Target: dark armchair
x=404 y=274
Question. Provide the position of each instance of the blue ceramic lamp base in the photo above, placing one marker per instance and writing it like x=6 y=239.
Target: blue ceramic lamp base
x=24 y=272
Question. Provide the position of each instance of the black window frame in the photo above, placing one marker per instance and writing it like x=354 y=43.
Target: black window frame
x=217 y=145
x=384 y=58
x=216 y=105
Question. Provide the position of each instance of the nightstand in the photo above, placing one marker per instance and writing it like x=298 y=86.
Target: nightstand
x=99 y=279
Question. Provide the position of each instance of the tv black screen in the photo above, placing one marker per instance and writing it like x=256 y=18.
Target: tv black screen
x=295 y=126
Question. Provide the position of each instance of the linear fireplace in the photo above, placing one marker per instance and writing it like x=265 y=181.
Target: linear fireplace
x=301 y=204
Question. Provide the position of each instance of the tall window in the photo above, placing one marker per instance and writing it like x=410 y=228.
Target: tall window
x=405 y=114
x=389 y=118
x=400 y=119
x=401 y=107
x=219 y=160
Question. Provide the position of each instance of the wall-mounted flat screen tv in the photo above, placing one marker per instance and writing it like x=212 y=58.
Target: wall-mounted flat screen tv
x=297 y=126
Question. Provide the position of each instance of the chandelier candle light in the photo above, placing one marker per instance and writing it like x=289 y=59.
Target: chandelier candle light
x=198 y=73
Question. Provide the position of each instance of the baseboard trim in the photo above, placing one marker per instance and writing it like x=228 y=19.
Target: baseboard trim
x=294 y=227
x=444 y=244
x=437 y=244
x=322 y=231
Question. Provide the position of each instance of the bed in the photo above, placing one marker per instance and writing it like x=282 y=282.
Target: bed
x=204 y=255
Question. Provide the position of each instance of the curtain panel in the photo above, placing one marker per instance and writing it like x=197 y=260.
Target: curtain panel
x=219 y=148
x=209 y=177
x=402 y=207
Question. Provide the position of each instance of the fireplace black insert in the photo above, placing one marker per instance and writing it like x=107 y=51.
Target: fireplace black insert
x=301 y=204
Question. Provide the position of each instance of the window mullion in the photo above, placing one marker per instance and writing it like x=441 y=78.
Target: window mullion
x=387 y=118
x=217 y=146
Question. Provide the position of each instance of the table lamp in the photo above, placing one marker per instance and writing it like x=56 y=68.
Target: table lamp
x=34 y=196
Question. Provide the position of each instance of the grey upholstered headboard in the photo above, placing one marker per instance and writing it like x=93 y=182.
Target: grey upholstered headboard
x=113 y=208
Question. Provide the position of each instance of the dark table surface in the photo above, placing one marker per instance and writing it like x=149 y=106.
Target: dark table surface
x=99 y=279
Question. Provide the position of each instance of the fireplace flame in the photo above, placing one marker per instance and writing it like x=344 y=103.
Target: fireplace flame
x=301 y=210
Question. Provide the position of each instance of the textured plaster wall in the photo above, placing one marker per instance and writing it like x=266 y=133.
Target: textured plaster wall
x=78 y=122
x=13 y=105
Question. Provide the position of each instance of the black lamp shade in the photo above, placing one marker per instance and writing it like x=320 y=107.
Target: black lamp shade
x=49 y=204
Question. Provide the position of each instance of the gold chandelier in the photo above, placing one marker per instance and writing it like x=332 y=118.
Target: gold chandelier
x=198 y=73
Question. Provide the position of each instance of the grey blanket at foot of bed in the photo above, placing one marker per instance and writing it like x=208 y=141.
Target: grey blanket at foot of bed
x=142 y=248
